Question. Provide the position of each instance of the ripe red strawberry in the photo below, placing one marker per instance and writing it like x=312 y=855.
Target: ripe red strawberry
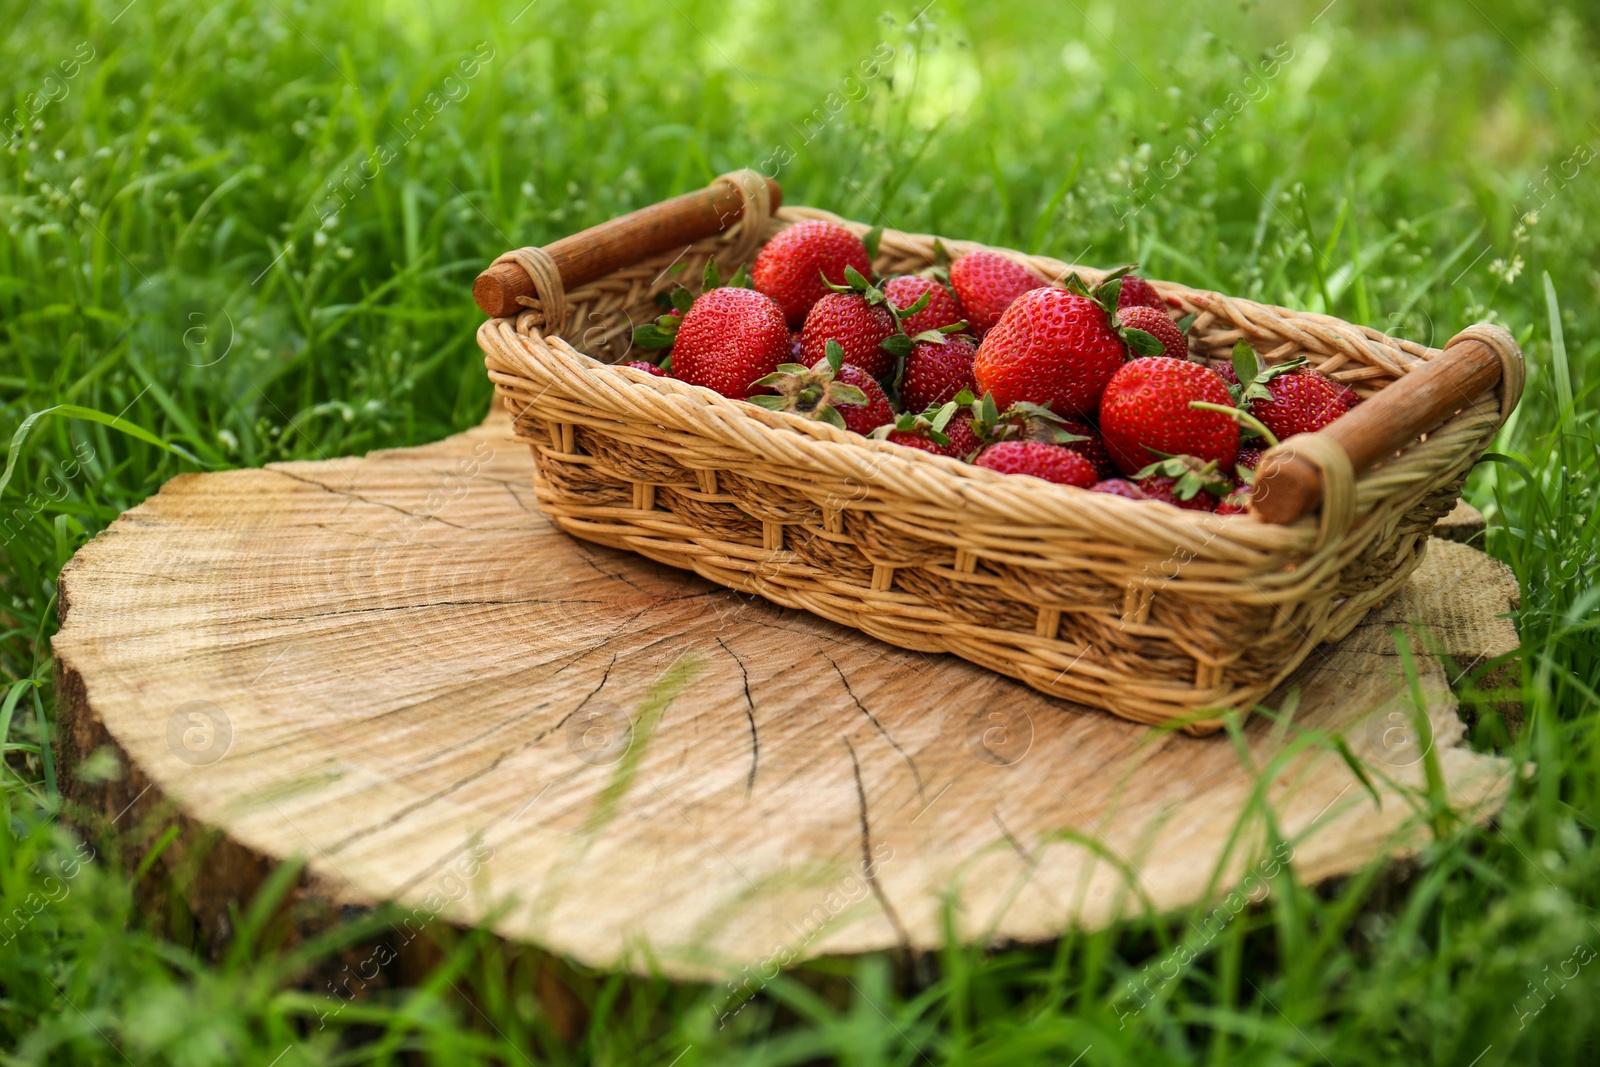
x=959 y=432
x=1184 y=481
x=1146 y=412
x=859 y=326
x=1091 y=448
x=831 y=391
x=1136 y=292
x=795 y=346
x=1052 y=348
x=1053 y=463
x=1165 y=489
x=729 y=338
x=648 y=368
x=862 y=418
x=1287 y=398
x=791 y=267
x=921 y=432
x=1155 y=323
x=937 y=370
x=1300 y=402
x=1249 y=456
x=942 y=309
x=1236 y=502
x=986 y=283
x=1119 y=487
x=1030 y=422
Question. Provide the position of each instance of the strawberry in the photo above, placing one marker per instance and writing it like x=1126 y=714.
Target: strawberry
x=1053 y=463
x=663 y=331
x=1301 y=402
x=1184 y=481
x=963 y=442
x=1236 y=502
x=729 y=337
x=1136 y=292
x=986 y=283
x=945 y=431
x=1155 y=323
x=1145 y=413
x=936 y=370
x=1119 y=487
x=858 y=326
x=792 y=266
x=648 y=368
x=832 y=391
x=1030 y=422
x=1165 y=490
x=867 y=326
x=861 y=418
x=1092 y=447
x=1287 y=398
x=1053 y=348
x=942 y=309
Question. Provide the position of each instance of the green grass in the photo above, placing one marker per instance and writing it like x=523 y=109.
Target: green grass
x=196 y=239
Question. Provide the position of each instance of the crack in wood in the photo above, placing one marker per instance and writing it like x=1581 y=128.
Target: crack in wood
x=368 y=500
x=1029 y=861
x=916 y=775
x=869 y=868
x=498 y=759
x=749 y=713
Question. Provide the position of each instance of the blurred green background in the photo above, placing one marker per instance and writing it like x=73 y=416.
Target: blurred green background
x=250 y=230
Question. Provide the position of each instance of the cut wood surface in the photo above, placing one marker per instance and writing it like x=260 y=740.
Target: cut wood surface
x=1464 y=523
x=394 y=667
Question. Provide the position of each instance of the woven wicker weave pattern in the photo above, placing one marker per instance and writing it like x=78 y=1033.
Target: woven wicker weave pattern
x=1145 y=610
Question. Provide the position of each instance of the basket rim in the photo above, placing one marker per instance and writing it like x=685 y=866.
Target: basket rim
x=998 y=495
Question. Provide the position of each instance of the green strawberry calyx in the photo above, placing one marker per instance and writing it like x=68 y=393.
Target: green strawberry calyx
x=663 y=331
x=855 y=282
x=1254 y=374
x=939 y=335
x=813 y=392
x=712 y=278
x=1240 y=497
x=1106 y=294
x=1193 y=475
x=929 y=423
x=896 y=344
x=1021 y=421
x=872 y=239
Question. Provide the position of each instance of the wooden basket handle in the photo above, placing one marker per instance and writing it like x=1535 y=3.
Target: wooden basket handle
x=1288 y=486
x=614 y=244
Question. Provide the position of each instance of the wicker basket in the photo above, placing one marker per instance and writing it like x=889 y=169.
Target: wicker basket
x=1148 y=611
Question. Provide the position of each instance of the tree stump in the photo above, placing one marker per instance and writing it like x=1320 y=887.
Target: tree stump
x=394 y=667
